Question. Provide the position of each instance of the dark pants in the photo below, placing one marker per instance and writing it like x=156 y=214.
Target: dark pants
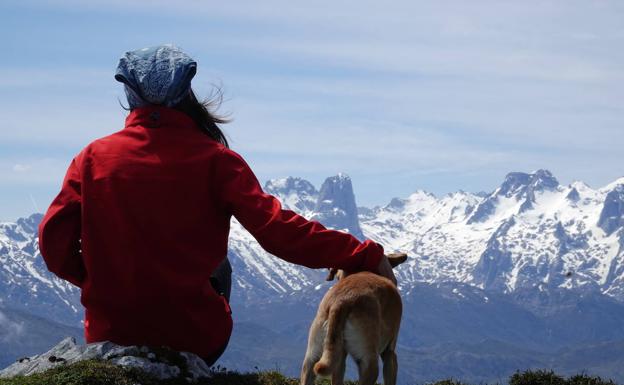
x=221 y=281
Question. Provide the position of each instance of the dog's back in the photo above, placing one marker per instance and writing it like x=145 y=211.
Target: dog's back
x=359 y=316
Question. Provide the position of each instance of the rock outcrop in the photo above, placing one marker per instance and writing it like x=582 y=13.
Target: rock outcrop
x=162 y=363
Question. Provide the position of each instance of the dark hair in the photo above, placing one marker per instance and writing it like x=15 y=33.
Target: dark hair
x=203 y=114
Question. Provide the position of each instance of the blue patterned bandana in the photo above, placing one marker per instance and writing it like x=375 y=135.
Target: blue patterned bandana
x=156 y=75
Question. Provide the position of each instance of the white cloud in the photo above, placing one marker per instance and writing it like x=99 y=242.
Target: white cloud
x=21 y=167
x=35 y=170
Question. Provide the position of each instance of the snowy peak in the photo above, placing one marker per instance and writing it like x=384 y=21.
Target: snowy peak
x=417 y=202
x=519 y=187
x=23 y=230
x=295 y=193
x=30 y=224
x=396 y=204
x=336 y=207
x=519 y=183
x=613 y=185
x=289 y=185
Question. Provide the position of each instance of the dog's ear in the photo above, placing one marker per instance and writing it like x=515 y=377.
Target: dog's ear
x=396 y=259
x=332 y=274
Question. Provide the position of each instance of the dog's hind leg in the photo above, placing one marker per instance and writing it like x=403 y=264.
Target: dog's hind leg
x=338 y=375
x=390 y=364
x=368 y=369
x=313 y=353
x=361 y=341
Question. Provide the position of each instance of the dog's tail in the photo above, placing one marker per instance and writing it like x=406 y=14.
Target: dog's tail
x=334 y=341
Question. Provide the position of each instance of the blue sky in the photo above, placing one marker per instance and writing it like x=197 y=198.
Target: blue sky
x=403 y=95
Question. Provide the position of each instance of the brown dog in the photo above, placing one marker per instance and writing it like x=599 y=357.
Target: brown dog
x=359 y=316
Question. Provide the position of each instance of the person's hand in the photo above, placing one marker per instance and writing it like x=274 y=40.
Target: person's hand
x=385 y=269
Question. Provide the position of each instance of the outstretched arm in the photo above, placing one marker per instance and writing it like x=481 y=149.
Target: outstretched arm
x=284 y=233
x=59 y=231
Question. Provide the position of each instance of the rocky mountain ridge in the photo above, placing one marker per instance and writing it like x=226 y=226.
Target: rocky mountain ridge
x=531 y=232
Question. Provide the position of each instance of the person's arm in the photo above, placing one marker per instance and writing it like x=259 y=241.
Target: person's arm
x=59 y=231
x=284 y=233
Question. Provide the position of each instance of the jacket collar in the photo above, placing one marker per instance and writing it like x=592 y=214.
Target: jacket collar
x=155 y=116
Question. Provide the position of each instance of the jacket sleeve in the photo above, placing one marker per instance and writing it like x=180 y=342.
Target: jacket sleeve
x=284 y=233
x=59 y=231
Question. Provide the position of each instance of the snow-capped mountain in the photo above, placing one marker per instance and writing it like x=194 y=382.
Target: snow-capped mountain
x=503 y=280
x=531 y=232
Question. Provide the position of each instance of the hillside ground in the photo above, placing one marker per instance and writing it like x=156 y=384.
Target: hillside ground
x=95 y=372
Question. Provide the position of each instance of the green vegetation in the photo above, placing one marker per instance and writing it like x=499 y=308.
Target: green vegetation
x=542 y=377
x=96 y=372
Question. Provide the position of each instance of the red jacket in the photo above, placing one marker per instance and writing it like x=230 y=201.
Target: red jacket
x=143 y=218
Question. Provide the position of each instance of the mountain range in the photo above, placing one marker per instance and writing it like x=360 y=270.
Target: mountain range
x=529 y=275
